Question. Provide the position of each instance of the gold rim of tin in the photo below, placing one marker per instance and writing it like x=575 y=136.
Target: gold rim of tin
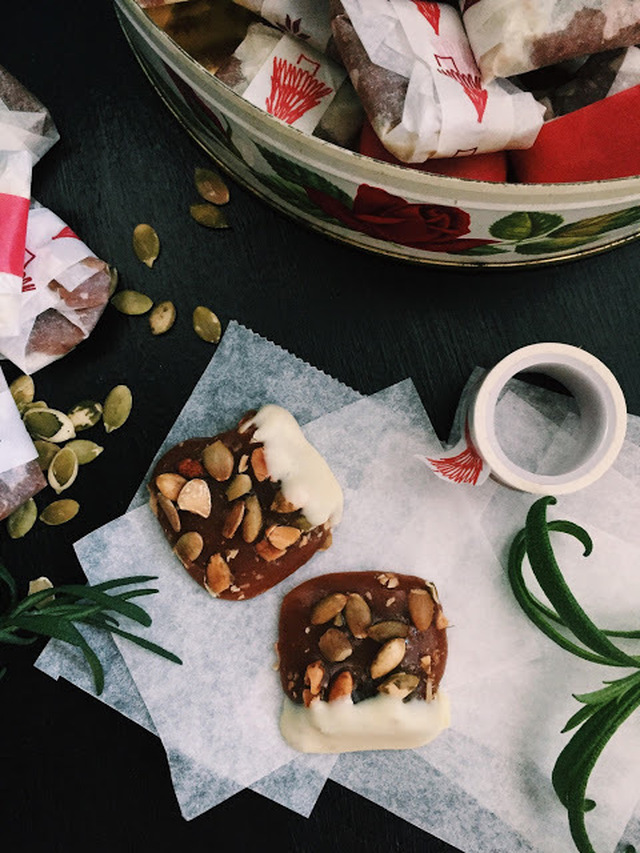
x=471 y=265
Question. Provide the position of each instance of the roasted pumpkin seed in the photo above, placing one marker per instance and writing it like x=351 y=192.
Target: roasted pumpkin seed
x=36 y=404
x=211 y=186
x=22 y=519
x=49 y=424
x=22 y=390
x=117 y=407
x=206 y=325
x=46 y=451
x=162 y=317
x=85 y=414
x=131 y=302
x=85 y=450
x=146 y=244
x=59 y=512
x=209 y=215
x=63 y=470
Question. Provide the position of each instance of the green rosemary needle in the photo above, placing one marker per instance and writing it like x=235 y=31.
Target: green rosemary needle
x=55 y=613
x=603 y=711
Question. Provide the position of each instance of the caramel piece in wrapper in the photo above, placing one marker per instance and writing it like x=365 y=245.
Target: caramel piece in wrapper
x=342 y=118
x=25 y=124
x=510 y=37
x=418 y=82
x=65 y=290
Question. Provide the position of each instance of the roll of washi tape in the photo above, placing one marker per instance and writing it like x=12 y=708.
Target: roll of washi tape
x=600 y=402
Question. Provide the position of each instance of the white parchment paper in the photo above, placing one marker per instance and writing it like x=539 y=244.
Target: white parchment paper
x=484 y=784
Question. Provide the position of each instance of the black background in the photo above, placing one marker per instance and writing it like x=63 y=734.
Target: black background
x=73 y=773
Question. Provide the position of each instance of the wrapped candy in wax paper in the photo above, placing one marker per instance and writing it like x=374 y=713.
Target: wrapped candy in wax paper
x=27 y=132
x=510 y=37
x=25 y=124
x=479 y=167
x=411 y=65
x=294 y=83
x=20 y=474
x=15 y=189
x=307 y=20
x=65 y=289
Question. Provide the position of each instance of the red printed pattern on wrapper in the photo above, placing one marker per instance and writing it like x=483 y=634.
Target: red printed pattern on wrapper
x=14 y=211
x=28 y=283
x=465 y=465
x=66 y=232
x=471 y=83
x=431 y=12
x=294 y=89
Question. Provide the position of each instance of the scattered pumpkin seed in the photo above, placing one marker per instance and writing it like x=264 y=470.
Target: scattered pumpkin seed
x=38 y=585
x=22 y=519
x=49 y=424
x=211 y=186
x=37 y=404
x=85 y=414
x=206 y=325
x=114 y=277
x=162 y=317
x=63 y=470
x=146 y=244
x=208 y=215
x=85 y=450
x=46 y=451
x=59 y=512
x=117 y=407
x=131 y=302
x=22 y=390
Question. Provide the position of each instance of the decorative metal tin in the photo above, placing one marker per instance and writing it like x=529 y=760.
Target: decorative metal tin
x=377 y=206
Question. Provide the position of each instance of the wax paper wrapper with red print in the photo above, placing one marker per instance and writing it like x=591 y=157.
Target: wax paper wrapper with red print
x=65 y=289
x=411 y=64
x=510 y=37
x=20 y=474
x=600 y=108
x=307 y=20
x=295 y=83
x=26 y=133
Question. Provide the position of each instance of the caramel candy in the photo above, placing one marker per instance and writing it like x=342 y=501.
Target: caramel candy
x=361 y=656
x=246 y=508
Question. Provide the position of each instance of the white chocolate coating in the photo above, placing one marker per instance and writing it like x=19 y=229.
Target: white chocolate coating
x=307 y=481
x=382 y=722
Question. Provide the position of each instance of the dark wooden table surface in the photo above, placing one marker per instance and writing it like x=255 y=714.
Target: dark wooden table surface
x=75 y=775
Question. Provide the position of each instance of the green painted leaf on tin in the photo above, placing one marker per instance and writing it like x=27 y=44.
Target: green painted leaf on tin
x=295 y=174
x=483 y=250
x=516 y=226
x=595 y=225
x=559 y=244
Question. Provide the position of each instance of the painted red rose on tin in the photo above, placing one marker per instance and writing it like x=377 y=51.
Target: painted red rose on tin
x=379 y=214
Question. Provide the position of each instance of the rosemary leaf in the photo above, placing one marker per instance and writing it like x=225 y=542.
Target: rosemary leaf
x=145 y=644
x=534 y=608
x=549 y=576
x=8 y=580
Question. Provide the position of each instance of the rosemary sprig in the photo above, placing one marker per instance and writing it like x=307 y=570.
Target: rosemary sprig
x=55 y=613
x=603 y=711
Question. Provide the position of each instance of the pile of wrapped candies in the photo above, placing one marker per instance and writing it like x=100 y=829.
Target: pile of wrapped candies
x=499 y=90
x=53 y=289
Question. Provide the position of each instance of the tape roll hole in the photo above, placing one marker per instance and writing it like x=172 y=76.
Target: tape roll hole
x=541 y=448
